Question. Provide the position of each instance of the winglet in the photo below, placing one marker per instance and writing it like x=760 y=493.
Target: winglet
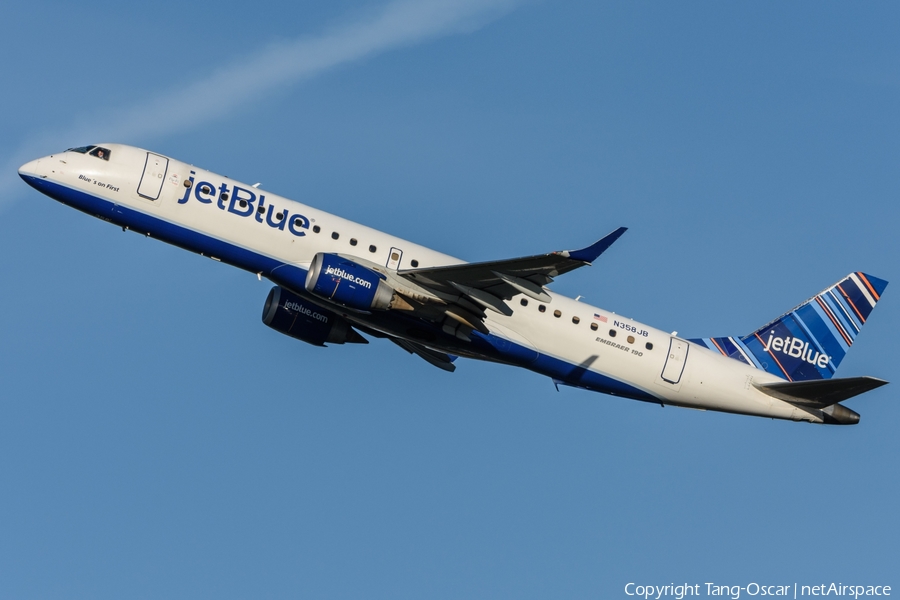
x=591 y=253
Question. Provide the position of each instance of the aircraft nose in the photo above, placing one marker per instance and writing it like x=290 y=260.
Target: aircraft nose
x=29 y=169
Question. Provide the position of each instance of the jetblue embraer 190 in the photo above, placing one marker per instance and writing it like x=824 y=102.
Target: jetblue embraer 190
x=335 y=280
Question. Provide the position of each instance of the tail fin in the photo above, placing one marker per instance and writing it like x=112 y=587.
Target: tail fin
x=809 y=341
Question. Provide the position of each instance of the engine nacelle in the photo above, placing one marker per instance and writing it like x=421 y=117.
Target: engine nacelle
x=288 y=313
x=342 y=280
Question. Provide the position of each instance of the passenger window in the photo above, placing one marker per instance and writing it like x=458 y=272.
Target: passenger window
x=524 y=301
x=316 y=229
x=372 y=249
x=649 y=346
x=335 y=235
x=542 y=307
x=630 y=339
x=612 y=333
x=593 y=327
x=414 y=263
x=352 y=241
x=576 y=320
x=557 y=314
x=100 y=153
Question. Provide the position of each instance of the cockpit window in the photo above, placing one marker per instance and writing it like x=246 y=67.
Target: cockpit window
x=92 y=150
x=100 y=153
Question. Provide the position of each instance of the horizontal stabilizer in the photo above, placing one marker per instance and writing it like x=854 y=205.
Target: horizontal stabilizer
x=820 y=393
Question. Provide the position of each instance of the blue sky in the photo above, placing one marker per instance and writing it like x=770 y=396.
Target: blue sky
x=156 y=440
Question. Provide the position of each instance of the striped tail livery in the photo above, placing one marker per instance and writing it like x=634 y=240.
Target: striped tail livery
x=809 y=341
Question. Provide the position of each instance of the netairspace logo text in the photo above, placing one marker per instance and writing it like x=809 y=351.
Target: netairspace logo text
x=792 y=590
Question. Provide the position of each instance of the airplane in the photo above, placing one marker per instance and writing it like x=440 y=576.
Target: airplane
x=336 y=280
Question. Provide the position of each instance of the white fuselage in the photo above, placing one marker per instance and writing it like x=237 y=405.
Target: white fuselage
x=618 y=355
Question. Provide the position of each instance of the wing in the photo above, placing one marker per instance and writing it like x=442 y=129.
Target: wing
x=463 y=292
x=487 y=283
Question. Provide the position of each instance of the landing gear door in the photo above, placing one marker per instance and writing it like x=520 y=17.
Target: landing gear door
x=394 y=257
x=155 y=168
x=675 y=361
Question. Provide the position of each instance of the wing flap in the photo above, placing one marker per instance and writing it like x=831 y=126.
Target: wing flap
x=484 y=298
x=438 y=359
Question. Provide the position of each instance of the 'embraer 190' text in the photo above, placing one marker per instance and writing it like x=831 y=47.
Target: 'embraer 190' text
x=245 y=203
x=796 y=348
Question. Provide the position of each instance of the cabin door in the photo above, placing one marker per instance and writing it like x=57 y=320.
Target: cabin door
x=675 y=361
x=155 y=168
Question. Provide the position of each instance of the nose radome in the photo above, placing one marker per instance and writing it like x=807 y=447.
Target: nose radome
x=29 y=169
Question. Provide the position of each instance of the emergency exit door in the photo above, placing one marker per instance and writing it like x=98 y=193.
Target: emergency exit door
x=393 y=261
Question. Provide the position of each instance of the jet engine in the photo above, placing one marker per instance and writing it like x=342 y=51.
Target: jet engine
x=346 y=282
x=288 y=313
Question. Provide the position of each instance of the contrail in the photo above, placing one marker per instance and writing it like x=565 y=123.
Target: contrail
x=398 y=23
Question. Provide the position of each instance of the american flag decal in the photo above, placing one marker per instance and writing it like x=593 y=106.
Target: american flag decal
x=600 y=318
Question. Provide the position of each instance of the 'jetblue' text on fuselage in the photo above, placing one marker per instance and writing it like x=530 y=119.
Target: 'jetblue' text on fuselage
x=244 y=203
